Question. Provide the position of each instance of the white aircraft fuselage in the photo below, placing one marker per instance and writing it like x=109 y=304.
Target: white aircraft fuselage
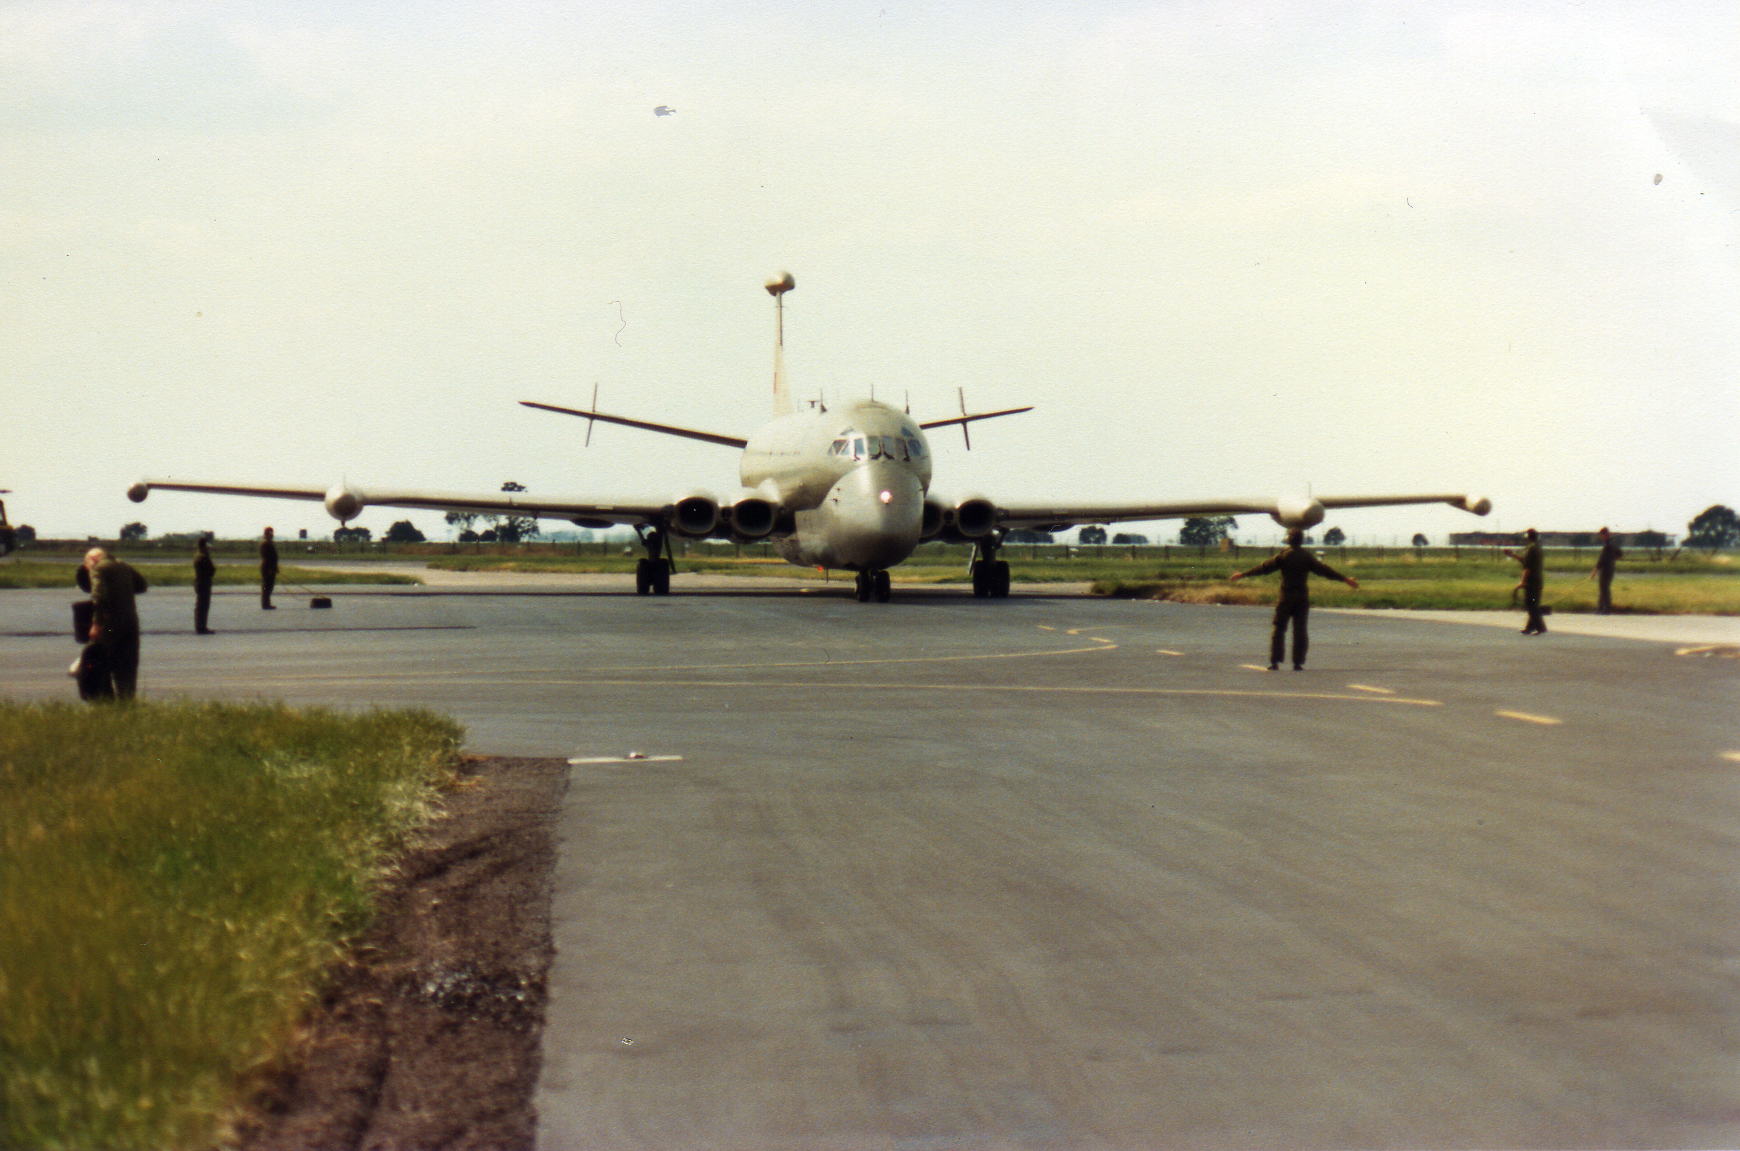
x=853 y=480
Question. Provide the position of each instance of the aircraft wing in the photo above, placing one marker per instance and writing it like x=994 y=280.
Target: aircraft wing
x=1299 y=512
x=344 y=502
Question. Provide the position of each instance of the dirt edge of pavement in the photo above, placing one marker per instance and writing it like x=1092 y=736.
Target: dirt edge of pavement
x=428 y=1036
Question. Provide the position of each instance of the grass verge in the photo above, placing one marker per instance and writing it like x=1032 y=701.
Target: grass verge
x=174 y=880
x=1689 y=585
x=52 y=573
x=1441 y=579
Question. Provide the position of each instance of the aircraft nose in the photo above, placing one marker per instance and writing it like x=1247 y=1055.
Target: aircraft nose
x=880 y=506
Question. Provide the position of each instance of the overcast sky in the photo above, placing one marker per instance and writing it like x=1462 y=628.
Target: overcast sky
x=1226 y=249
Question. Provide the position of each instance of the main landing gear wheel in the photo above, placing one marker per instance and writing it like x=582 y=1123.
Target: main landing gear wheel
x=990 y=579
x=874 y=585
x=652 y=577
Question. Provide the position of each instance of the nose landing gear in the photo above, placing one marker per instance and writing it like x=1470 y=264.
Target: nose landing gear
x=874 y=585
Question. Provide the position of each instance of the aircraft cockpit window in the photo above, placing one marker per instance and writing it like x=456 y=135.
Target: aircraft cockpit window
x=863 y=447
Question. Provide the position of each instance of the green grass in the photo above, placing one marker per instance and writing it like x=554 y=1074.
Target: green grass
x=40 y=573
x=1472 y=579
x=1475 y=581
x=174 y=880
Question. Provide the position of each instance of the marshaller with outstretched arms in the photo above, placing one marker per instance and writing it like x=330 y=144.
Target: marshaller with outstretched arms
x=846 y=489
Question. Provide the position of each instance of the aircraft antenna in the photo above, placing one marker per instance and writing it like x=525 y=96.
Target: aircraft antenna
x=777 y=288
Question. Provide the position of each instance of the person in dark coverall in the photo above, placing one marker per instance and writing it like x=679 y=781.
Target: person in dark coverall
x=204 y=571
x=114 y=625
x=1605 y=564
x=268 y=570
x=1533 y=580
x=1296 y=566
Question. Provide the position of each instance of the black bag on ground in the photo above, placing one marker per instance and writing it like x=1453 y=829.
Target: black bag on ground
x=91 y=671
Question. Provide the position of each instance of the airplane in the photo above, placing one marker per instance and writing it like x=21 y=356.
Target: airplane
x=8 y=535
x=846 y=489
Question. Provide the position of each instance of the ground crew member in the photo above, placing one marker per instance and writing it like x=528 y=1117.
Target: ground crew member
x=114 y=626
x=1296 y=566
x=1605 y=565
x=268 y=570
x=204 y=571
x=1533 y=579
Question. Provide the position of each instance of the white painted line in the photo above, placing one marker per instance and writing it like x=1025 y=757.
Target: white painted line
x=1543 y=720
x=1731 y=756
x=1166 y=651
x=593 y=761
x=1253 y=667
x=1370 y=688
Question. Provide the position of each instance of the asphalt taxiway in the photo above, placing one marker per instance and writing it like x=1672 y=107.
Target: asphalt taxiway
x=1062 y=872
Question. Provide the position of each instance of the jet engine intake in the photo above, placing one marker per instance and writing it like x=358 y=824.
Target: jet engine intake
x=752 y=518
x=933 y=520
x=1298 y=513
x=695 y=516
x=975 y=518
x=343 y=504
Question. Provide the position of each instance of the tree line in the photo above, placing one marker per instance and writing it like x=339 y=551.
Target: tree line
x=1715 y=528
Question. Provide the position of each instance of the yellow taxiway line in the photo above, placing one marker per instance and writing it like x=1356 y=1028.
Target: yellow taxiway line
x=1525 y=717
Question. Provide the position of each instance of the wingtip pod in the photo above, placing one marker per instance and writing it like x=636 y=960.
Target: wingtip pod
x=1479 y=505
x=1298 y=512
x=139 y=490
x=781 y=284
x=343 y=504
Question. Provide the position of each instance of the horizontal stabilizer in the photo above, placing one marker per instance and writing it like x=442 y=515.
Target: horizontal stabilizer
x=967 y=419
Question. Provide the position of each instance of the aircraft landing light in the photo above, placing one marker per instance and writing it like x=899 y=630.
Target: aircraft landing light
x=1368 y=687
x=1543 y=720
x=631 y=757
